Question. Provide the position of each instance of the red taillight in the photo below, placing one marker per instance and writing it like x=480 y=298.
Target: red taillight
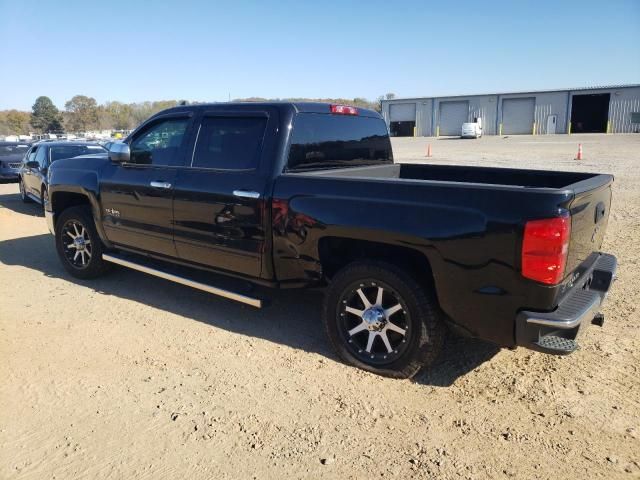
x=344 y=110
x=545 y=248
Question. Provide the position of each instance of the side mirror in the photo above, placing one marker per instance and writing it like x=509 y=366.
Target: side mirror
x=32 y=164
x=119 y=153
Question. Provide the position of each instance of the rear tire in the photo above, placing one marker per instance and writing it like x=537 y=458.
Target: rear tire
x=78 y=244
x=394 y=333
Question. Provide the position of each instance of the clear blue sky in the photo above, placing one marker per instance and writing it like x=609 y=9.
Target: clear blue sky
x=205 y=50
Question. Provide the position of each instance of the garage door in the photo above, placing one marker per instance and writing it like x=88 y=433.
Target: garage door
x=452 y=116
x=517 y=115
x=402 y=112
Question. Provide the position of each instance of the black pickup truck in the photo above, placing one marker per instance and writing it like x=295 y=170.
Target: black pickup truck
x=297 y=195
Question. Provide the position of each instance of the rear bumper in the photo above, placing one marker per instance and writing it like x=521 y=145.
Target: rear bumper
x=556 y=332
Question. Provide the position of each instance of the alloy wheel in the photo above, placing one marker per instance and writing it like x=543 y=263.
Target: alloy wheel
x=76 y=244
x=375 y=322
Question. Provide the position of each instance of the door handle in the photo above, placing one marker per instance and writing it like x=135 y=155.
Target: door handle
x=160 y=184
x=246 y=194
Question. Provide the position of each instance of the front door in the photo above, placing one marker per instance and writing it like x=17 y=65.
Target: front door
x=33 y=177
x=219 y=209
x=551 y=124
x=137 y=196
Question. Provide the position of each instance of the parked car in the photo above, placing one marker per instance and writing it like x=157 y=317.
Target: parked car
x=32 y=175
x=472 y=129
x=298 y=195
x=107 y=144
x=11 y=154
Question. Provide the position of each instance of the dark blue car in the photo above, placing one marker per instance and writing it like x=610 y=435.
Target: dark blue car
x=11 y=154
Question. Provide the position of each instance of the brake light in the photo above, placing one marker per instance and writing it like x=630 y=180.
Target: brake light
x=344 y=110
x=545 y=248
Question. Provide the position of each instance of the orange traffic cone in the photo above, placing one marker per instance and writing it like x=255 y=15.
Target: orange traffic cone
x=579 y=156
x=429 y=150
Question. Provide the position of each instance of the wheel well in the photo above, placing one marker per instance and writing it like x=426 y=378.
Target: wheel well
x=337 y=252
x=64 y=200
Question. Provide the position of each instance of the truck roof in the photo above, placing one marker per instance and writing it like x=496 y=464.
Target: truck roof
x=307 y=107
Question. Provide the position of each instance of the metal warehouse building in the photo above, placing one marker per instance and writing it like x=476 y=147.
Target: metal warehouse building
x=609 y=109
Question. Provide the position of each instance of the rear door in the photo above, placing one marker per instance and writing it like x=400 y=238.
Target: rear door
x=219 y=209
x=137 y=197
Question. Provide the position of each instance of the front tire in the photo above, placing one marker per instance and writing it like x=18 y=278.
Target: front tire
x=23 y=192
x=380 y=319
x=44 y=199
x=78 y=244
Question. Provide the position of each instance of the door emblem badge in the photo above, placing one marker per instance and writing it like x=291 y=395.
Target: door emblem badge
x=113 y=212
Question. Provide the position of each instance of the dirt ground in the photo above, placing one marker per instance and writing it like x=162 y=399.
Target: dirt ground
x=131 y=376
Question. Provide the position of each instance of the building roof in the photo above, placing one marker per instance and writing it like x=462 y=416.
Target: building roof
x=522 y=92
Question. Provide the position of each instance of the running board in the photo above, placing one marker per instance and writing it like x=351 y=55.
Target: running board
x=254 y=302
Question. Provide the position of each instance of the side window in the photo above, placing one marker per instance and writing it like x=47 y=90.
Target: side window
x=31 y=155
x=160 y=143
x=41 y=156
x=230 y=143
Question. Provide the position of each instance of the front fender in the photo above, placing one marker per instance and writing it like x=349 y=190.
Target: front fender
x=78 y=182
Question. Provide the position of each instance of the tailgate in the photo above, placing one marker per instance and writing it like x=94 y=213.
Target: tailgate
x=589 y=216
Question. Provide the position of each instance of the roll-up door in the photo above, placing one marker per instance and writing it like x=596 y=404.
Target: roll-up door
x=402 y=112
x=402 y=119
x=517 y=115
x=452 y=116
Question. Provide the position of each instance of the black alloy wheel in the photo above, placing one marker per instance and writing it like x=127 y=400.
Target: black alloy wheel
x=381 y=319
x=78 y=244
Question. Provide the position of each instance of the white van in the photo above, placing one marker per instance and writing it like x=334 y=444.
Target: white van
x=472 y=129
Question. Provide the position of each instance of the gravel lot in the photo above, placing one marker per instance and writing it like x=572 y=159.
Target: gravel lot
x=130 y=376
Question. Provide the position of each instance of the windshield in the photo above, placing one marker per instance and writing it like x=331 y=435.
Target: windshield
x=69 y=151
x=13 y=150
x=338 y=141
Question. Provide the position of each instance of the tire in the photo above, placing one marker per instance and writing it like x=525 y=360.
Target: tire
x=23 y=192
x=78 y=222
x=406 y=306
x=44 y=198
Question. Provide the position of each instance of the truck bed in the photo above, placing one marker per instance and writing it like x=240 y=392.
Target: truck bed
x=468 y=221
x=473 y=175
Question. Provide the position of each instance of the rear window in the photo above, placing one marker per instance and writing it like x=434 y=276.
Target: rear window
x=69 y=151
x=338 y=141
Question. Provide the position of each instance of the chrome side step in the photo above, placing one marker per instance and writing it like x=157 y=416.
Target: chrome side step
x=254 y=302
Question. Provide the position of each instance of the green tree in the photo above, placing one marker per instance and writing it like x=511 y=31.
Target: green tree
x=45 y=116
x=119 y=115
x=82 y=113
x=18 y=122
